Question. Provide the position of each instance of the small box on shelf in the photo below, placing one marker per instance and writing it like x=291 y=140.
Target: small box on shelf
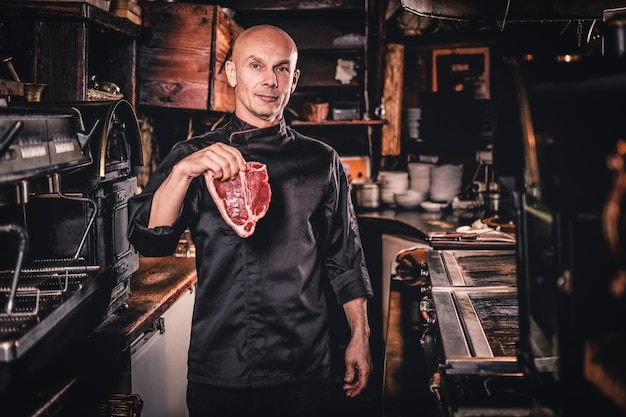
x=346 y=110
x=128 y=9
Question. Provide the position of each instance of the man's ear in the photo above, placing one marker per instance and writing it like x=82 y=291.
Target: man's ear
x=296 y=77
x=229 y=67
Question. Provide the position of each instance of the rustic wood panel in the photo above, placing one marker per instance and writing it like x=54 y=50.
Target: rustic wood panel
x=181 y=62
x=393 y=86
x=222 y=95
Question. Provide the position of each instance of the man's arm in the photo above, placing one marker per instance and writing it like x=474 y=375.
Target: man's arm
x=358 y=357
x=224 y=160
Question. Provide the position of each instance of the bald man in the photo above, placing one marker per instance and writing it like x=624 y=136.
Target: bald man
x=260 y=332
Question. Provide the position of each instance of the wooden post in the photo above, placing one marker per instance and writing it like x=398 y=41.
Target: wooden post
x=394 y=84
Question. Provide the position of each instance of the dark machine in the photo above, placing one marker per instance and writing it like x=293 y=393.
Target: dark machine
x=66 y=173
x=538 y=330
x=569 y=126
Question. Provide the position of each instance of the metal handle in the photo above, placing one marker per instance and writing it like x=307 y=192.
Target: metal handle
x=23 y=240
x=10 y=135
x=7 y=61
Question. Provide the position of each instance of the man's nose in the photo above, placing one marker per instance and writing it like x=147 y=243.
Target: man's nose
x=270 y=79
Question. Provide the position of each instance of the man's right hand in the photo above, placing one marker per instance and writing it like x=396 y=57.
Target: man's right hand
x=224 y=160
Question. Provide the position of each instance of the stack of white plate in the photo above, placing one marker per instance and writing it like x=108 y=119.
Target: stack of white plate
x=445 y=182
x=392 y=182
x=414 y=114
x=419 y=176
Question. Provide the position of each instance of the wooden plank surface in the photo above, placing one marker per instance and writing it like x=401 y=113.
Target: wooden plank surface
x=181 y=63
x=393 y=85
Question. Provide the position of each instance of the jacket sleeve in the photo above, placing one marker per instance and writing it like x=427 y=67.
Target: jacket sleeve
x=162 y=240
x=158 y=241
x=344 y=259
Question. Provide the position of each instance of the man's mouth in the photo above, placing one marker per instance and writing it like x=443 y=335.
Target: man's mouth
x=267 y=97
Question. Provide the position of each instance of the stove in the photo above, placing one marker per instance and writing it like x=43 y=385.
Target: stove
x=469 y=315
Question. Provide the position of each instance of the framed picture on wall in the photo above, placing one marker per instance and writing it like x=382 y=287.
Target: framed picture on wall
x=462 y=70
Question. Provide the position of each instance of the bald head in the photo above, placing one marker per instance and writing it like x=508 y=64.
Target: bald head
x=264 y=34
x=263 y=72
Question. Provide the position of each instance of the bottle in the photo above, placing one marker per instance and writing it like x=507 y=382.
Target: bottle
x=380 y=110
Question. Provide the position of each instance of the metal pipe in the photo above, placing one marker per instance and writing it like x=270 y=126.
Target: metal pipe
x=22 y=245
x=56 y=187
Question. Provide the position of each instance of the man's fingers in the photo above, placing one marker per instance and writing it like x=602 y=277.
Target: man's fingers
x=223 y=160
x=355 y=381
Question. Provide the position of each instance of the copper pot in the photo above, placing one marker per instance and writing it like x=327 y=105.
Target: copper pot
x=316 y=112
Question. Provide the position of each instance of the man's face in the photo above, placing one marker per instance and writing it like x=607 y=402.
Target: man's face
x=263 y=72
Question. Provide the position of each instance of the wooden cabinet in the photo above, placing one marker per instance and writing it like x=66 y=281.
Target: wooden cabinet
x=182 y=55
x=63 y=44
x=158 y=361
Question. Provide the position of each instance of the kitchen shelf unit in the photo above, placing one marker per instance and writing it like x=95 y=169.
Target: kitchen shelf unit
x=62 y=44
x=324 y=36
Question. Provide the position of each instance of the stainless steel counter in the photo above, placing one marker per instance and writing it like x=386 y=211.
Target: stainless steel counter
x=417 y=222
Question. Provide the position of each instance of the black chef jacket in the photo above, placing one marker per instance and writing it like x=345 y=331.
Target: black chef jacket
x=260 y=315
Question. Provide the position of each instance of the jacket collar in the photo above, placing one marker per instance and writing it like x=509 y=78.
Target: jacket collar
x=239 y=127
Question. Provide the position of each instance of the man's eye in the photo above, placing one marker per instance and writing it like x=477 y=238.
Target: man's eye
x=282 y=69
x=255 y=66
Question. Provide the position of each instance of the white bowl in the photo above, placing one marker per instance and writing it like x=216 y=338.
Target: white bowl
x=409 y=199
x=433 y=207
x=386 y=196
x=393 y=176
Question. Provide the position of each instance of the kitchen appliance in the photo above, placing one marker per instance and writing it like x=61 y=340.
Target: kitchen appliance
x=561 y=142
x=67 y=171
x=468 y=315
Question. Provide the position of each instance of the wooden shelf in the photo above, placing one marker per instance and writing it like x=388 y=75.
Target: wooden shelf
x=71 y=10
x=63 y=43
x=340 y=123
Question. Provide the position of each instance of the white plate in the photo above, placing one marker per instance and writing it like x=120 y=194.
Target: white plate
x=433 y=207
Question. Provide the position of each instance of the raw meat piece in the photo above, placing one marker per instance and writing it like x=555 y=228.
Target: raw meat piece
x=242 y=200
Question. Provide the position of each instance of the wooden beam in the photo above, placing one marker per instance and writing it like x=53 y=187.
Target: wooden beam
x=394 y=83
